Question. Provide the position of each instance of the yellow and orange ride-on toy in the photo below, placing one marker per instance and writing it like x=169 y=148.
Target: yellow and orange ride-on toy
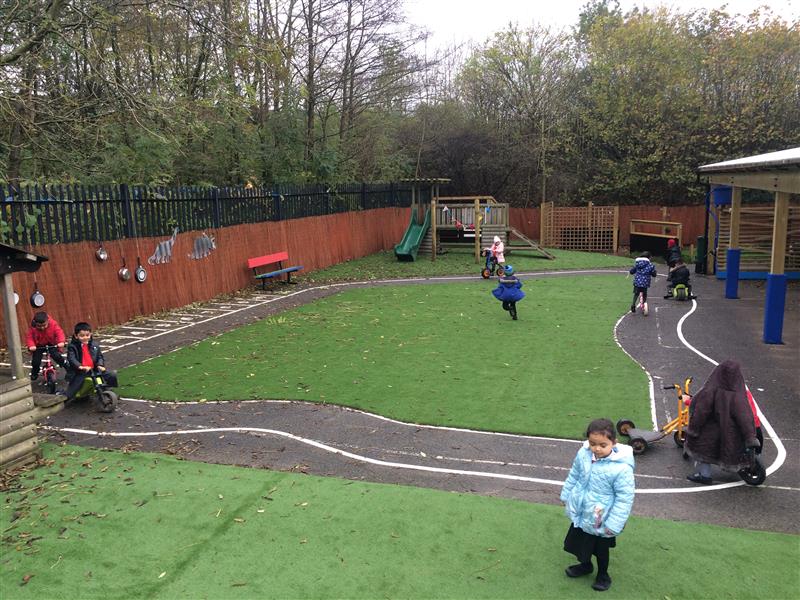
x=640 y=439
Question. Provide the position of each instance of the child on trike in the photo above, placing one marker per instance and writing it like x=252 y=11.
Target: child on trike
x=495 y=258
x=87 y=374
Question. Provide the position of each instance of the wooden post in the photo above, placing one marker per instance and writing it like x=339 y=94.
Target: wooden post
x=589 y=237
x=779 y=233
x=542 y=209
x=663 y=218
x=736 y=212
x=433 y=228
x=477 y=230
x=615 y=234
x=12 y=327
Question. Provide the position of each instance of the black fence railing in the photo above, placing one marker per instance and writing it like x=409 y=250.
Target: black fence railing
x=63 y=214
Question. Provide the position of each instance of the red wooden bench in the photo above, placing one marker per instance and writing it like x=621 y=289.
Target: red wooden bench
x=272 y=259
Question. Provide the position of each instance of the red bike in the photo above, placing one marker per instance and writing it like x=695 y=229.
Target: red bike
x=48 y=368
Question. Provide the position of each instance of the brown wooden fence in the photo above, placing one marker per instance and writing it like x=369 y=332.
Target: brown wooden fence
x=527 y=220
x=588 y=228
x=79 y=288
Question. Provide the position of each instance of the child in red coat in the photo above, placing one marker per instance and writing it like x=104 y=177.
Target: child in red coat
x=44 y=331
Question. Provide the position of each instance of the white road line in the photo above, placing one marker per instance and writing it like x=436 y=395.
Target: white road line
x=650 y=385
x=778 y=462
x=101 y=336
x=781 y=457
x=163 y=321
x=351 y=455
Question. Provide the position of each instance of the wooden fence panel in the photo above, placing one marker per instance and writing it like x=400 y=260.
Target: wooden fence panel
x=755 y=238
x=77 y=287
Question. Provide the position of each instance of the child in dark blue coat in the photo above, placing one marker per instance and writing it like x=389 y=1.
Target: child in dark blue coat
x=642 y=270
x=509 y=291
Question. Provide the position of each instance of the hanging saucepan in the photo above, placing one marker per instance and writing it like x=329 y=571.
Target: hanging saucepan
x=37 y=298
x=16 y=298
x=141 y=274
x=124 y=272
x=101 y=254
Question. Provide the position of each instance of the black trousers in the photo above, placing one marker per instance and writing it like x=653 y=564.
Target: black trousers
x=36 y=358
x=636 y=291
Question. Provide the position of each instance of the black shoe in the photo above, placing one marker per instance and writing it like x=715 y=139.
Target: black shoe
x=513 y=312
x=633 y=308
x=579 y=570
x=697 y=478
x=602 y=583
x=34 y=376
x=667 y=296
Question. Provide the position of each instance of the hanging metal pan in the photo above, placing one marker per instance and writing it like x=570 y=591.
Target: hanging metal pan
x=37 y=298
x=124 y=273
x=141 y=273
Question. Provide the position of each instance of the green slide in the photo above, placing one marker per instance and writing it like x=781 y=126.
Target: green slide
x=407 y=249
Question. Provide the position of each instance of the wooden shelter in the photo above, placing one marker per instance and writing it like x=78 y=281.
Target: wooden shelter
x=778 y=173
x=19 y=413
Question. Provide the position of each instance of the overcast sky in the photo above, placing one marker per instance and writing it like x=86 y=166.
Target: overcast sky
x=463 y=20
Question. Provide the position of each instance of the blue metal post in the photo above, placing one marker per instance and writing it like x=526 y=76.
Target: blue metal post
x=732 y=273
x=773 y=308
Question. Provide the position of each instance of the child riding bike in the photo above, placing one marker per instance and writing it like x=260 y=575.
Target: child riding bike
x=642 y=270
x=86 y=369
x=44 y=335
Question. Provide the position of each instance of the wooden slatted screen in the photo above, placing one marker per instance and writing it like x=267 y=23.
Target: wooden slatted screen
x=587 y=228
x=755 y=238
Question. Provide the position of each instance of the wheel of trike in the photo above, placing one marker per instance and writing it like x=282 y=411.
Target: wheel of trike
x=106 y=401
x=680 y=438
x=486 y=273
x=755 y=474
x=50 y=382
x=639 y=445
x=624 y=426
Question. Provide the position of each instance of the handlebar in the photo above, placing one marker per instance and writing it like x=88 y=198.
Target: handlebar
x=677 y=386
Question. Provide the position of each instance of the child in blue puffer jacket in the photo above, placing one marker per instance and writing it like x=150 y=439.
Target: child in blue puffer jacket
x=509 y=291
x=642 y=270
x=598 y=496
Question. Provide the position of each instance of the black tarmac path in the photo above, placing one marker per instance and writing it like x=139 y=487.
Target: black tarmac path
x=675 y=341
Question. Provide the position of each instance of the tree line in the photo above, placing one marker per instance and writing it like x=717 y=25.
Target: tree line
x=619 y=108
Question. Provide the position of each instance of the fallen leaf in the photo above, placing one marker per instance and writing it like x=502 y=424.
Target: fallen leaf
x=26 y=578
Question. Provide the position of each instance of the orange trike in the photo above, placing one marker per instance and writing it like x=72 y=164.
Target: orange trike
x=640 y=439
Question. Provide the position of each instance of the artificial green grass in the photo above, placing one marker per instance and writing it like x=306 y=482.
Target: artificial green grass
x=444 y=354
x=103 y=524
x=461 y=261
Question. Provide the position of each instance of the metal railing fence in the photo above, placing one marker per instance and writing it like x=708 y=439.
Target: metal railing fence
x=73 y=213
